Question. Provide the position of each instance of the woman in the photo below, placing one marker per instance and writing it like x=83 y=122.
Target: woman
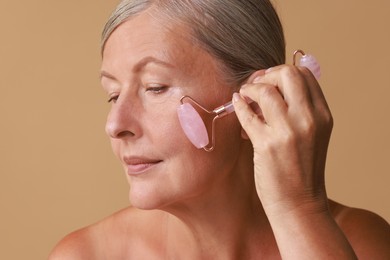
x=260 y=193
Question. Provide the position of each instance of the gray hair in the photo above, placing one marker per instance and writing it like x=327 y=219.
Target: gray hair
x=244 y=36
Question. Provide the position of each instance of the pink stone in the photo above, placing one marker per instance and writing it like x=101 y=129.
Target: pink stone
x=193 y=125
x=311 y=63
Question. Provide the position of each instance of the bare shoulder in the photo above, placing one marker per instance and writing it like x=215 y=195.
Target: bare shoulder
x=368 y=233
x=113 y=237
x=76 y=245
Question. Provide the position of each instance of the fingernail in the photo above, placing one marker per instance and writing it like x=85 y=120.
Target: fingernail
x=236 y=97
x=257 y=79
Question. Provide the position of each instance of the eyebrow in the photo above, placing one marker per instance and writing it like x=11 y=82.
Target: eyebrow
x=105 y=74
x=139 y=66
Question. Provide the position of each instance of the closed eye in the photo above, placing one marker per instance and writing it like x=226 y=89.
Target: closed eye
x=157 y=89
x=113 y=99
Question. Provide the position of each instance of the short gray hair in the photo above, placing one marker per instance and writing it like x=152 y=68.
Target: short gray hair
x=244 y=35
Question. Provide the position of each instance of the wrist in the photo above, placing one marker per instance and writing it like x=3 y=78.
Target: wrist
x=297 y=207
x=309 y=223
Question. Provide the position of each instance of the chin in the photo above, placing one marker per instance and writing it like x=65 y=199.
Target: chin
x=146 y=200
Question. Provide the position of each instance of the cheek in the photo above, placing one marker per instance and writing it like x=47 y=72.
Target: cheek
x=115 y=146
x=165 y=129
x=228 y=138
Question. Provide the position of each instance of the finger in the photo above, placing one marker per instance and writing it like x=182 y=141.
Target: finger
x=302 y=92
x=254 y=75
x=314 y=91
x=317 y=95
x=321 y=110
x=291 y=84
x=251 y=122
x=273 y=107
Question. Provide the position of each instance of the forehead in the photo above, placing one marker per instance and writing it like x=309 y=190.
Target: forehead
x=146 y=35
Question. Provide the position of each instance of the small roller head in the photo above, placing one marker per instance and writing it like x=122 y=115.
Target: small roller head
x=311 y=63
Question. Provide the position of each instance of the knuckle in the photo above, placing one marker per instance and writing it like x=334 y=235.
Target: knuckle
x=290 y=137
x=313 y=125
x=308 y=126
x=329 y=121
x=324 y=118
x=305 y=71
x=268 y=94
x=287 y=138
x=266 y=91
x=290 y=71
x=248 y=120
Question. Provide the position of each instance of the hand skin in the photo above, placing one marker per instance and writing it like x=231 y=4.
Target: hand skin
x=290 y=139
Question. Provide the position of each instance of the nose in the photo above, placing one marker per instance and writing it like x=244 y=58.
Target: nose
x=121 y=121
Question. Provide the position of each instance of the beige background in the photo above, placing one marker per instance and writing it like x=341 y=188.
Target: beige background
x=57 y=171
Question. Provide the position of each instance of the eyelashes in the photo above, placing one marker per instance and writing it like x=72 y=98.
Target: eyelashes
x=113 y=99
x=154 y=90
x=157 y=89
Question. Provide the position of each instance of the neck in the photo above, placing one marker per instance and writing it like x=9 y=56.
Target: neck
x=220 y=224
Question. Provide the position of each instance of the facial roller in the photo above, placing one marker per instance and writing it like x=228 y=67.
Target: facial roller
x=309 y=62
x=193 y=124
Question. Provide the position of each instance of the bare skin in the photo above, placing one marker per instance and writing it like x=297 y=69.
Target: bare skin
x=132 y=234
x=260 y=194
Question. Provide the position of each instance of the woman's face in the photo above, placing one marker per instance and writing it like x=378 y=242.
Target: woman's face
x=146 y=69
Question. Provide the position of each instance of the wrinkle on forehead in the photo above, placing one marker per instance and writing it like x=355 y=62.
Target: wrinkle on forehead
x=188 y=41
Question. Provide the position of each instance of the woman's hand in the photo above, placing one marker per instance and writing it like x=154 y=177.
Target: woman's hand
x=290 y=138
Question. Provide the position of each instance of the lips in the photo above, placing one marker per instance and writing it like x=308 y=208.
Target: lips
x=138 y=165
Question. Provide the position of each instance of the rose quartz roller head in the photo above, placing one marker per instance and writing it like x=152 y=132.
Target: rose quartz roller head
x=309 y=62
x=193 y=124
